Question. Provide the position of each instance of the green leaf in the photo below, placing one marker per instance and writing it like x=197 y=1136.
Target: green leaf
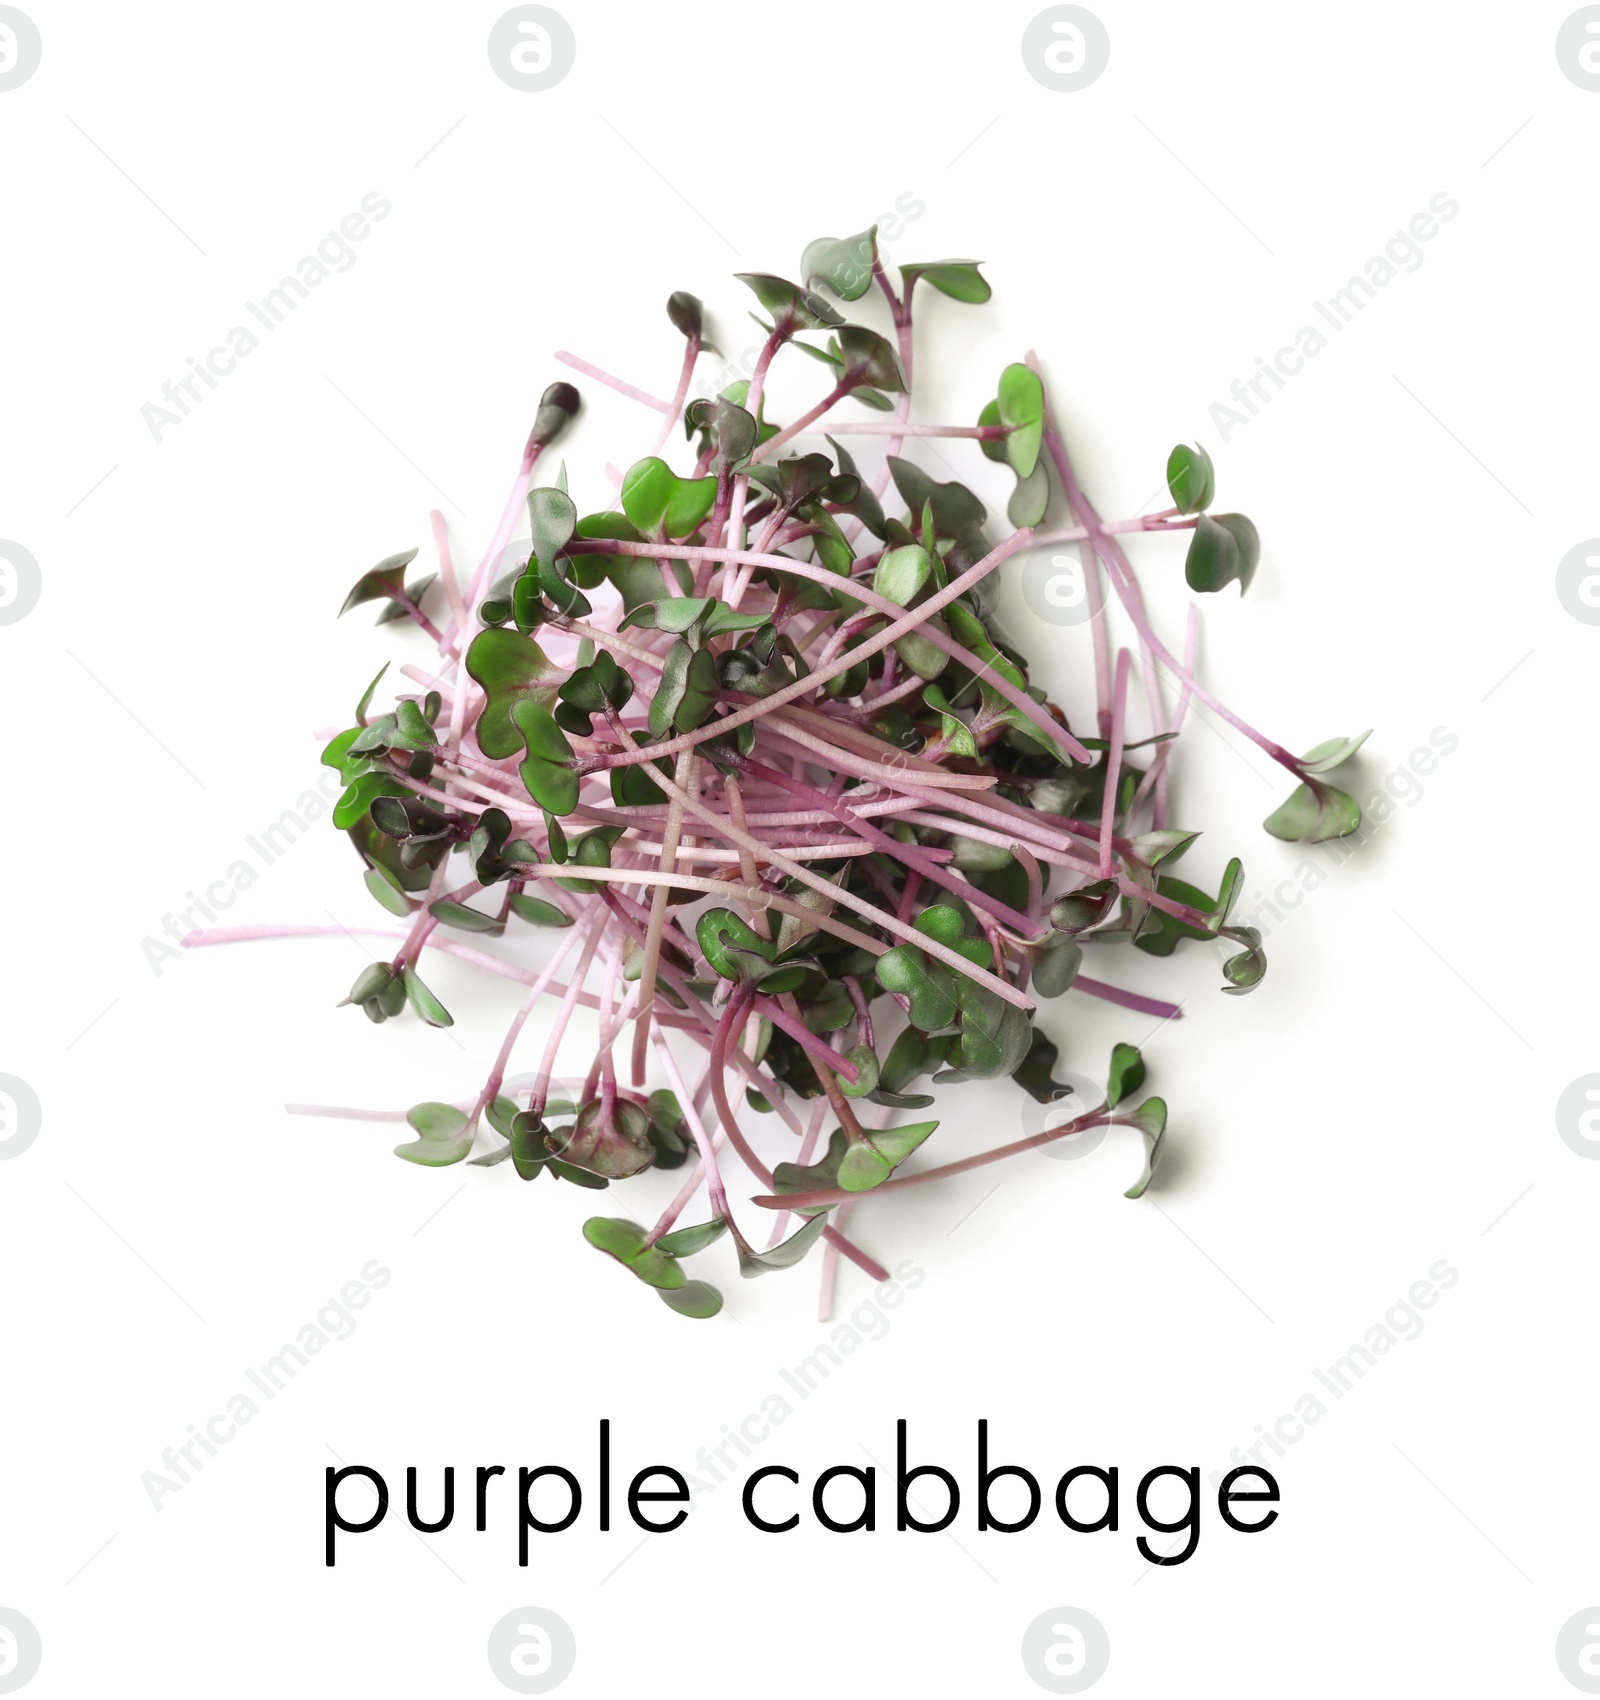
x=844 y=266
x=1245 y=971
x=956 y=734
x=1037 y=1067
x=727 y=941
x=1031 y=499
x=366 y=697
x=557 y=408
x=1191 y=478
x=1223 y=548
x=686 y=314
x=871 y=1160
x=361 y=794
x=529 y=1153
x=383 y=886
x=1021 y=403
x=424 y=1002
x=1314 y=812
x=411 y=730
x=869 y=359
x=929 y=986
x=1126 y=1074
x=373 y=981
x=864 y=505
x=1165 y=845
x=1333 y=753
x=687 y=693
x=1056 y=966
x=625 y=1241
x=864 y=1060
x=954 y=505
x=685 y=1242
x=444 y=1136
x=512 y=669
x=908 y=1057
x=792 y=309
x=467 y=920
x=785 y=1254
x=1077 y=911
x=384 y=580
x=671 y=614
x=903 y=574
x=553 y=519
x=694 y=1298
x=616 y=1146
x=959 y=279
x=593 y=850
x=647 y=492
x=992 y=1039
x=538 y=913
x=1151 y=1120
x=821 y=1176
x=546 y=771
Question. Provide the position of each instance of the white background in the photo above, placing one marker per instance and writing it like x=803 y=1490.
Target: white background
x=1384 y=1102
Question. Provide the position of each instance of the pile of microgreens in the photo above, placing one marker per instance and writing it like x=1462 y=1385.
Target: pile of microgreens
x=765 y=754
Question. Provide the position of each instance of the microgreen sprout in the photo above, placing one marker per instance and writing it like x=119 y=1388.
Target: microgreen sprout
x=755 y=755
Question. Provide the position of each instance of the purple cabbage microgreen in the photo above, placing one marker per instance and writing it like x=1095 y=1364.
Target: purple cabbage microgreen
x=754 y=763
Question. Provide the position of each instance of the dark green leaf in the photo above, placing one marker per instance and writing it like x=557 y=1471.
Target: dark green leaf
x=1151 y=1120
x=1126 y=1074
x=1223 y=548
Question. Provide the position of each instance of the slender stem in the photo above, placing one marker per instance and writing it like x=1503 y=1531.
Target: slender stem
x=691 y=353
x=899 y=1183
x=730 y=1126
x=617 y=384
